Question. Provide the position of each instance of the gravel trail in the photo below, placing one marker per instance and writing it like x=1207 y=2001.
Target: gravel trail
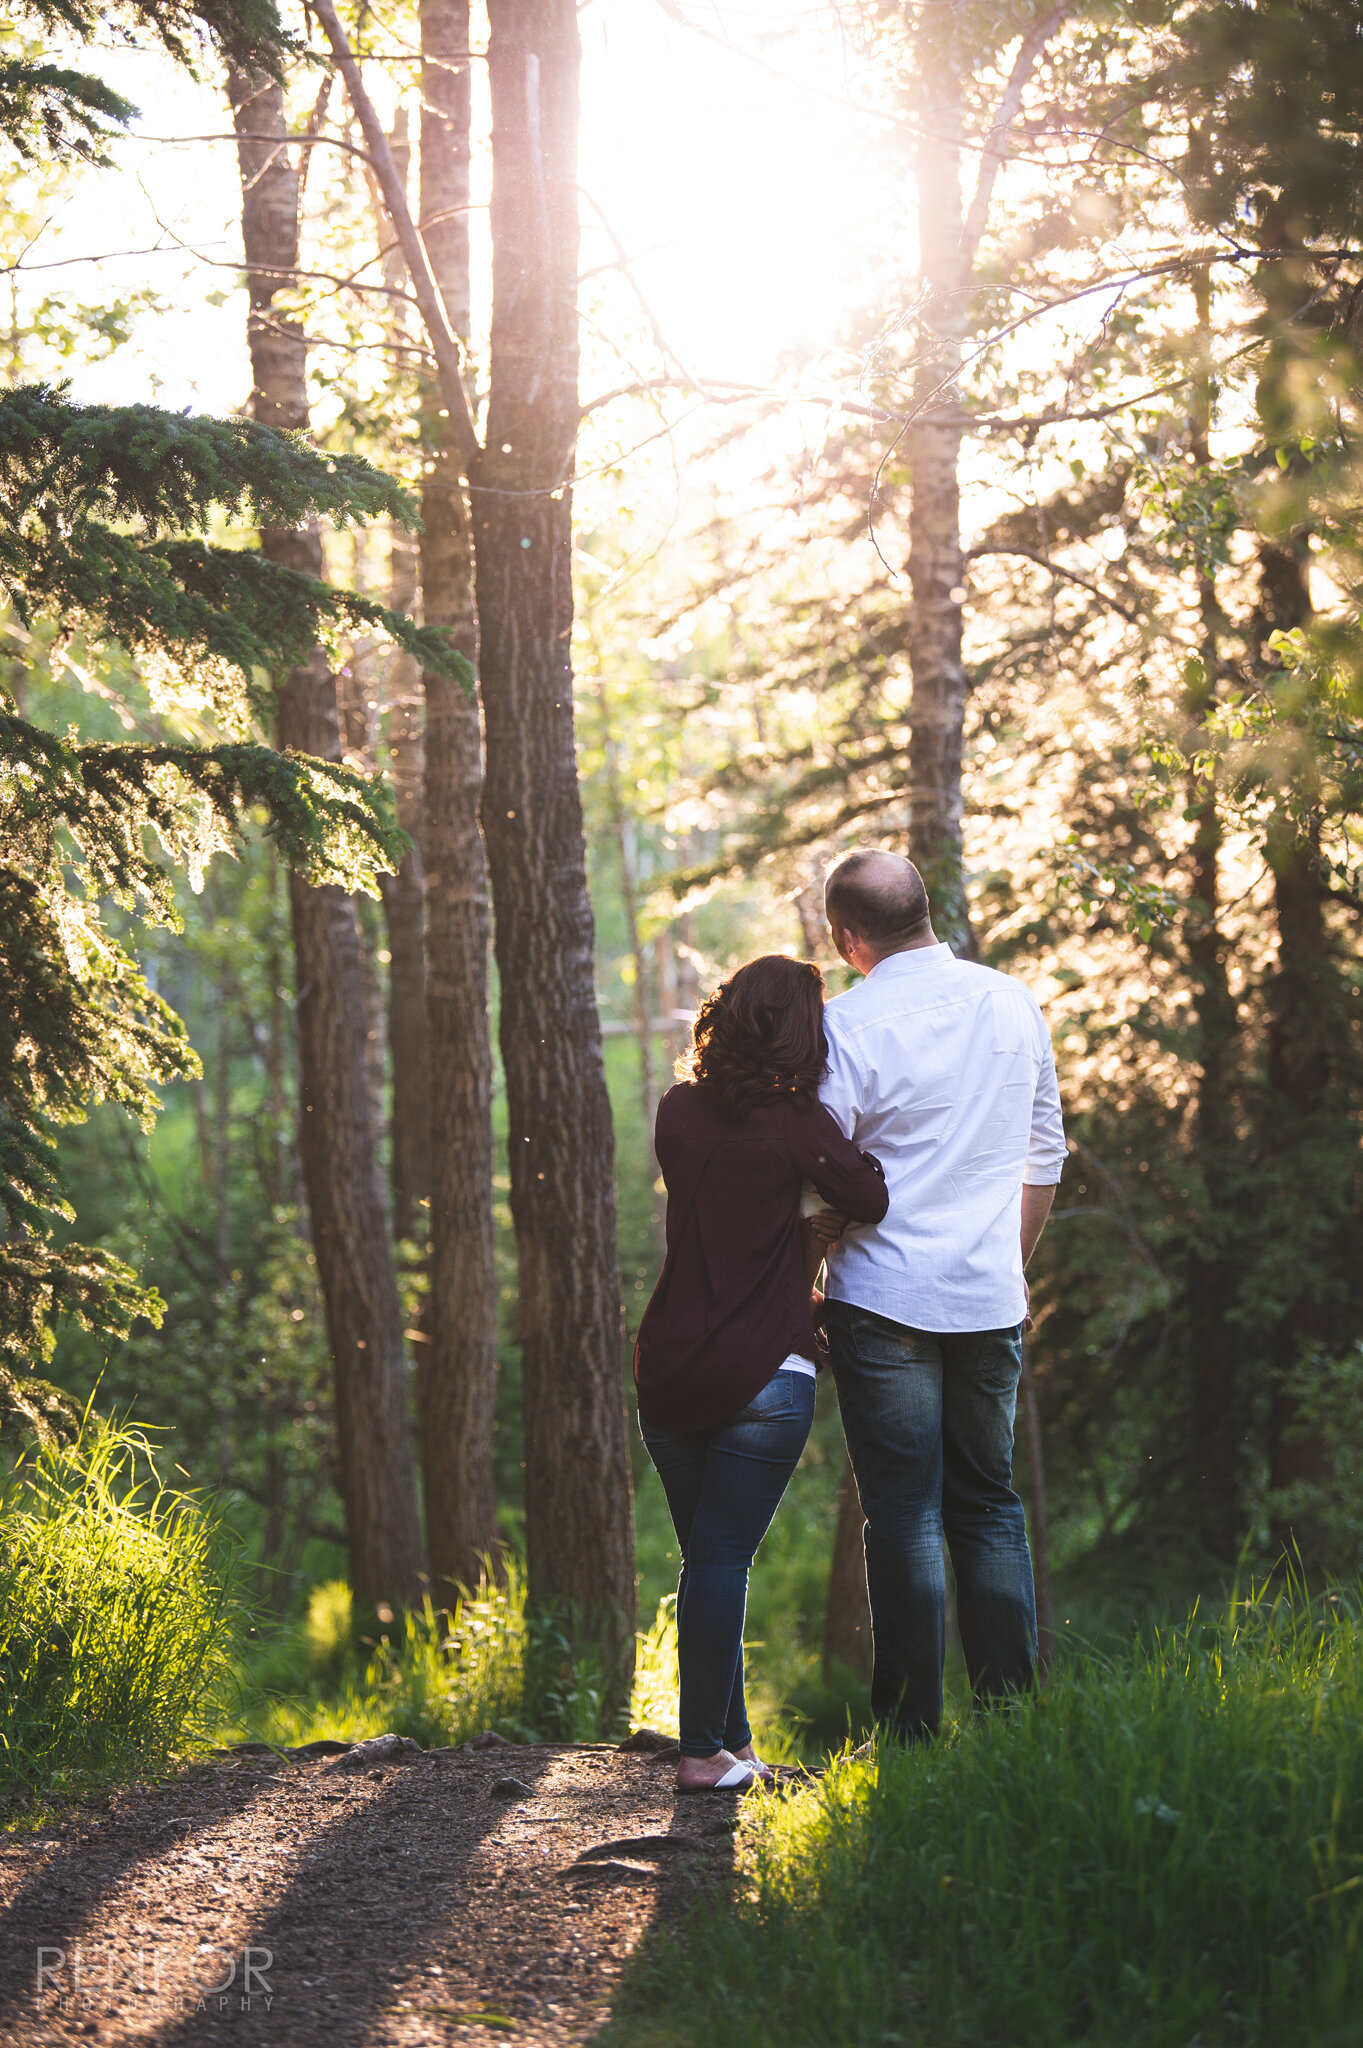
x=488 y=1893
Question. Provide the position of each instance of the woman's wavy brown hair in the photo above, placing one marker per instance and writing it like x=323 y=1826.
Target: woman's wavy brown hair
x=760 y=1037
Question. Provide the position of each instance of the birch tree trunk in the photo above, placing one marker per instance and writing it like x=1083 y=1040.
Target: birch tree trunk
x=936 y=564
x=577 y=1481
x=458 y=1382
x=336 y=1138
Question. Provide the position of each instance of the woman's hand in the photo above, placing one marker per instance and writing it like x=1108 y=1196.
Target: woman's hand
x=827 y=1225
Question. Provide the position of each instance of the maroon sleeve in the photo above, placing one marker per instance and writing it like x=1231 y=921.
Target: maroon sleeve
x=849 y=1180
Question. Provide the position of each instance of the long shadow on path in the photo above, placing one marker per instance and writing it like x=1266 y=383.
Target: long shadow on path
x=69 y=1871
x=381 y=1886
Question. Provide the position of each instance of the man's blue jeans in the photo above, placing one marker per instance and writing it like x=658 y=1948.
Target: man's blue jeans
x=929 y=1425
x=723 y=1486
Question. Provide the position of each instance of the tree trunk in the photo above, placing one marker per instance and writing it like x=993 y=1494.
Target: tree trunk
x=458 y=1385
x=642 y=993
x=1211 y=1339
x=1298 y=1077
x=577 y=1480
x=404 y=893
x=813 y=930
x=847 y=1621
x=1038 y=1517
x=404 y=910
x=336 y=1138
x=936 y=564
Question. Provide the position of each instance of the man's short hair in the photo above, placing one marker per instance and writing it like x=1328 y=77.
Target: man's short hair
x=879 y=895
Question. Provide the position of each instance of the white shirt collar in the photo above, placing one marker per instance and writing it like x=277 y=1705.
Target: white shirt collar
x=914 y=961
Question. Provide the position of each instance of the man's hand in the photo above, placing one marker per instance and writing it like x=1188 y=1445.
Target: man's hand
x=817 y=1312
x=827 y=1225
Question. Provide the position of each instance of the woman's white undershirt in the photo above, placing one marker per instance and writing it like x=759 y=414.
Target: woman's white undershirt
x=811 y=1201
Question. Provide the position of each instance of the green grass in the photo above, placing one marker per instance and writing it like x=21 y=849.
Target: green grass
x=441 y=1678
x=114 y=1600
x=1165 y=1849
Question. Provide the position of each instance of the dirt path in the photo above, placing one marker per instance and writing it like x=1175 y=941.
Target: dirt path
x=328 y=1908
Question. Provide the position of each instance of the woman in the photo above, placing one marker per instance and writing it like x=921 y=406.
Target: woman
x=725 y=1360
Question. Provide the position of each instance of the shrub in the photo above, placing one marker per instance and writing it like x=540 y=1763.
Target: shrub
x=114 y=1592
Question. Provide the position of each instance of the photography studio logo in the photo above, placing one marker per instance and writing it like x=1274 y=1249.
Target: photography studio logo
x=109 y=1978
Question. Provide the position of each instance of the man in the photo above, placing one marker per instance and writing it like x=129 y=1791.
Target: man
x=944 y=1070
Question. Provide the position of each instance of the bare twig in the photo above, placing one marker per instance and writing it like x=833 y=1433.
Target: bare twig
x=1043 y=561
x=665 y=347
x=444 y=341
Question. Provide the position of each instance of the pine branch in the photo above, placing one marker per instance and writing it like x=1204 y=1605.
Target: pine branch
x=246 y=31
x=39 y=1282
x=48 y=111
x=198 y=608
x=167 y=471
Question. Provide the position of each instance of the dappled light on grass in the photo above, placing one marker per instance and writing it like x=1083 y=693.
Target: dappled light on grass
x=1165 y=1847
x=656 y=1680
x=438 y=1677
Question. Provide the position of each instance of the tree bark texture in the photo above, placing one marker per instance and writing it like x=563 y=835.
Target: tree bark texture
x=847 y=1622
x=577 y=1480
x=404 y=893
x=458 y=1383
x=404 y=910
x=643 y=1008
x=1298 y=1083
x=936 y=564
x=1213 y=1342
x=336 y=1137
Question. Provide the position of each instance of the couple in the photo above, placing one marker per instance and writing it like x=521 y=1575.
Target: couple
x=915 y=1121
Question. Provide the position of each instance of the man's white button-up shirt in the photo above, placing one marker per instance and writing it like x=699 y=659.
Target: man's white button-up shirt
x=944 y=1071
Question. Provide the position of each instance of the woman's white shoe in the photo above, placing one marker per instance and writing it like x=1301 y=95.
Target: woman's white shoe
x=737 y=1778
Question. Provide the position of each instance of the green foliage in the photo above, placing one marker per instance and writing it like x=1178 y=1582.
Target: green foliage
x=47 y=109
x=246 y=31
x=653 y=1702
x=1274 y=89
x=81 y=1024
x=1328 y=1397
x=62 y=463
x=66 y=470
x=1160 y=1849
x=440 y=1678
x=114 y=1603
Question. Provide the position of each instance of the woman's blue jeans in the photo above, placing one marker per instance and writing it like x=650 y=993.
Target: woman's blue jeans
x=929 y=1425
x=723 y=1486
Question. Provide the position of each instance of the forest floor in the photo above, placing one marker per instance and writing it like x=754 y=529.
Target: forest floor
x=419 y=1901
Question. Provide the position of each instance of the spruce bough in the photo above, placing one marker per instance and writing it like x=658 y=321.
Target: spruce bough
x=101 y=517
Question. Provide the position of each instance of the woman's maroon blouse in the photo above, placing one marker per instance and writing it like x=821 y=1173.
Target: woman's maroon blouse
x=732 y=1300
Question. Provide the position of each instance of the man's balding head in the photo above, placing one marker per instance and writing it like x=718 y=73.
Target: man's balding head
x=880 y=898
